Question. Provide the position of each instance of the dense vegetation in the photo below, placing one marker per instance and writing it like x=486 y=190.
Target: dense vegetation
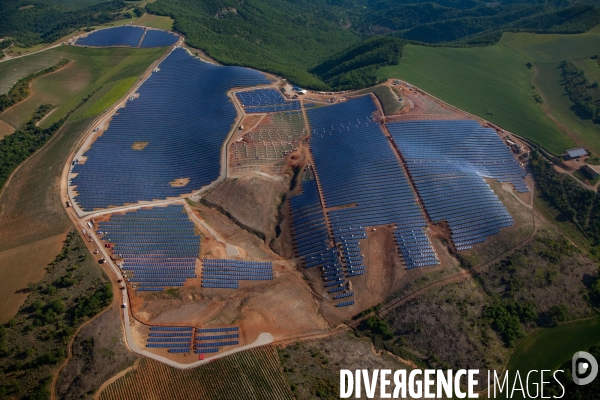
x=21 y=89
x=45 y=20
x=321 y=45
x=547 y=282
x=283 y=37
x=357 y=66
x=585 y=95
x=576 y=203
x=34 y=341
x=477 y=21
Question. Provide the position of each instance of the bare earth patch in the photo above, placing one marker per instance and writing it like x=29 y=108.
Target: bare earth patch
x=179 y=182
x=140 y=145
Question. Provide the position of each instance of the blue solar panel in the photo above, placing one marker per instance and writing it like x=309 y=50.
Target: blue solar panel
x=266 y=100
x=184 y=115
x=119 y=36
x=358 y=169
x=226 y=274
x=149 y=235
x=447 y=161
x=158 y=38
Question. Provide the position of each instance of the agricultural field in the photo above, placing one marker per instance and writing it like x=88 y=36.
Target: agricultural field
x=91 y=70
x=549 y=348
x=32 y=223
x=34 y=341
x=252 y=374
x=558 y=106
x=155 y=21
x=495 y=83
x=491 y=82
x=13 y=70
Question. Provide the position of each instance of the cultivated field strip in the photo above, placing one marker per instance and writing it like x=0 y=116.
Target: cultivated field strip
x=252 y=374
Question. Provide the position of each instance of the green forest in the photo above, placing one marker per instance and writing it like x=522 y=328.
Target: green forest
x=45 y=21
x=575 y=202
x=32 y=343
x=585 y=95
x=304 y=40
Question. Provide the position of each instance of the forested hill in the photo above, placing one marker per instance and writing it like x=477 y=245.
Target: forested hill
x=305 y=40
x=41 y=21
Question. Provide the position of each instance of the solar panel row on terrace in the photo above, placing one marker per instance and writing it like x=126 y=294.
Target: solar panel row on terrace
x=159 y=246
x=182 y=115
x=226 y=274
x=357 y=168
x=311 y=236
x=171 y=339
x=130 y=36
x=265 y=100
x=448 y=161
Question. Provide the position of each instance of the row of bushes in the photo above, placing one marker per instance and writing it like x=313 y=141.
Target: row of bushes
x=585 y=95
x=21 y=90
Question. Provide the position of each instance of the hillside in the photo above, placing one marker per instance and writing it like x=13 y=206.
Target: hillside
x=496 y=83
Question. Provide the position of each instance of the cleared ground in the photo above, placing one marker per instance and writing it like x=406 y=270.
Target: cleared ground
x=283 y=307
x=253 y=374
x=252 y=201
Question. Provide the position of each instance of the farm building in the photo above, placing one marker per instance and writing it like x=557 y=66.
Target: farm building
x=576 y=153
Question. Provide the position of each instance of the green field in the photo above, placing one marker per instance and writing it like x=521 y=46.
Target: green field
x=558 y=104
x=155 y=21
x=548 y=348
x=91 y=69
x=491 y=82
x=494 y=83
x=554 y=48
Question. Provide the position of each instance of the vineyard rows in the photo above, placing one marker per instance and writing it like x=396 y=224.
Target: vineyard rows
x=251 y=374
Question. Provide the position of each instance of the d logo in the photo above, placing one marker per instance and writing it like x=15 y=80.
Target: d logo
x=587 y=362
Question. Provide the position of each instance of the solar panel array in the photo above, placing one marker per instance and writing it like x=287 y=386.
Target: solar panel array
x=312 y=240
x=158 y=245
x=159 y=38
x=266 y=100
x=182 y=115
x=447 y=161
x=128 y=35
x=203 y=335
x=226 y=274
x=358 y=169
x=176 y=339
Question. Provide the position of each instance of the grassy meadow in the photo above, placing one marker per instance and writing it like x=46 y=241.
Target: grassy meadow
x=155 y=21
x=548 y=348
x=495 y=83
x=32 y=219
